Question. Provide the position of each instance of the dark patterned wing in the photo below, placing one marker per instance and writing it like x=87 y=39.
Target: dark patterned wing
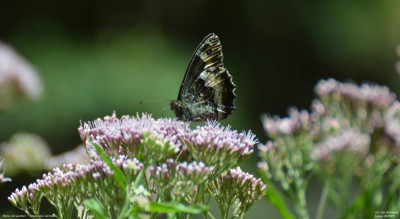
x=207 y=54
x=207 y=90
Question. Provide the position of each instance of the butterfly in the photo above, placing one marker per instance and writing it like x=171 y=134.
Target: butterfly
x=207 y=89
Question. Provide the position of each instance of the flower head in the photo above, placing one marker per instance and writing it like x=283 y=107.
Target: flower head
x=134 y=136
x=346 y=139
x=179 y=179
x=352 y=132
x=243 y=190
x=160 y=159
x=297 y=120
x=159 y=139
x=374 y=95
x=24 y=152
x=391 y=125
x=219 y=146
x=17 y=76
x=140 y=198
x=69 y=185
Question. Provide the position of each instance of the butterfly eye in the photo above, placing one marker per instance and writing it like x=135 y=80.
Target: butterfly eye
x=209 y=51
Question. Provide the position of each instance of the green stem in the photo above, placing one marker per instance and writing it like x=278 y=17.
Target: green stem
x=322 y=202
x=275 y=198
x=209 y=214
x=300 y=205
x=125 y=208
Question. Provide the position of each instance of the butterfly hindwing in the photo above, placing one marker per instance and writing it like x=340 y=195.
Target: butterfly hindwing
x=207 y=88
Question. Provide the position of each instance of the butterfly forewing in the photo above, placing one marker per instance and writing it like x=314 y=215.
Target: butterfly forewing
x=207 y=88
x=207 y=53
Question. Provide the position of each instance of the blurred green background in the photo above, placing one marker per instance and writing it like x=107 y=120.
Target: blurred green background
x=98 y=56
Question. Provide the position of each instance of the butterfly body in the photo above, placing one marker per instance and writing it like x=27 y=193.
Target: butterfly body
x=207 y=90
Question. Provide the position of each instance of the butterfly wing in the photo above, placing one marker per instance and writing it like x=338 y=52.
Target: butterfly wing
x=206 y=81
x=197 y=62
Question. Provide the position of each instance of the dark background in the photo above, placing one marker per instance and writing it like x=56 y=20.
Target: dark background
x=98 y=56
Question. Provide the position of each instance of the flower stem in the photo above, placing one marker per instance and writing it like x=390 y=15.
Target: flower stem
x=125 y=208
x=322 y=202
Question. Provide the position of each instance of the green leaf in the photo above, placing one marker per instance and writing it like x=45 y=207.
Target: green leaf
x=176 y=207
x=95 y=207
x=118 y=174
x=275 y=198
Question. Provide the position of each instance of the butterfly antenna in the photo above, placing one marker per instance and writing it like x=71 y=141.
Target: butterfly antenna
x=152 y=101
